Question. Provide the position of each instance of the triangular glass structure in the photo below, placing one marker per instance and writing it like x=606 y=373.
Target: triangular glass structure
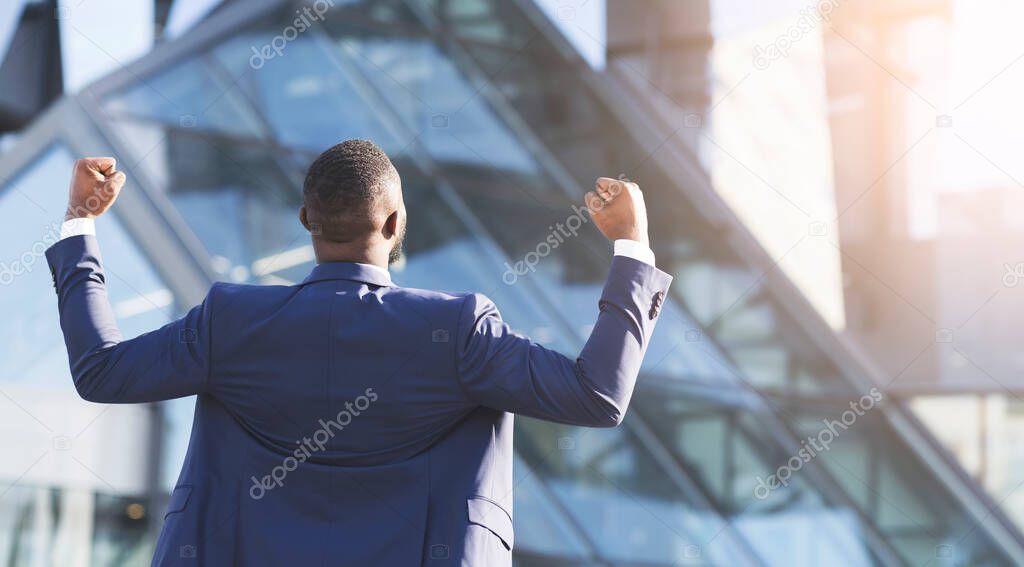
x=498 y=128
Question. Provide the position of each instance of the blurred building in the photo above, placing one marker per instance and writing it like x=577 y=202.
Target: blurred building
x=928 y=193
x=884 y=128
x=498 y=126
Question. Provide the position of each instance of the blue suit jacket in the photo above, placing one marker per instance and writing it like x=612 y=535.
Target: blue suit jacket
x=344 y=420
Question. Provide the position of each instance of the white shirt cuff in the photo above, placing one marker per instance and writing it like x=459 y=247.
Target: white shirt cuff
x=634 y=250
x=77 y=227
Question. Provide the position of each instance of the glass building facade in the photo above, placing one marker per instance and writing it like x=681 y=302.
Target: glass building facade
x=498 y=128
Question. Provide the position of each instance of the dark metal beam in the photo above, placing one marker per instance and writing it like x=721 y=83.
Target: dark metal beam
x=31 y=69
x=161 y=12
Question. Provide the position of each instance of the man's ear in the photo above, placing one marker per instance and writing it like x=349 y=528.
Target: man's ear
x=302 y=217
x=390 y=228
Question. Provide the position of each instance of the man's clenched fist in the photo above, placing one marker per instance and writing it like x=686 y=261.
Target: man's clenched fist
x=95 y=184
x=618 y=209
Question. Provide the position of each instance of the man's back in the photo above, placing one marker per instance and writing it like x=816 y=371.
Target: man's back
x=345 y=420
x=333 y=427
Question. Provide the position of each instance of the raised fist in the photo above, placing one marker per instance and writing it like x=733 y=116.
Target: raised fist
x=95 y=184
x=618 y=209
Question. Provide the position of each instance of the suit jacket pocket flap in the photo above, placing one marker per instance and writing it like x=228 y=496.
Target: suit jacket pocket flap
x=490 y=515
x=179 y=499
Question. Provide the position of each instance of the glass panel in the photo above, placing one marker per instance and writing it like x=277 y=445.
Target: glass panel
x=236 y=197
x=728 y=450
x=539 y=523
x=307 y=99
x=435 y=101
x=188 y=96
x=887 y=484
x=620 y=496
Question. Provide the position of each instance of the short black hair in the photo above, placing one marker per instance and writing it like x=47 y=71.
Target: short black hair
x=342 y=187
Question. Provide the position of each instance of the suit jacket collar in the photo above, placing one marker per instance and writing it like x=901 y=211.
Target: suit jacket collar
x=366 y=273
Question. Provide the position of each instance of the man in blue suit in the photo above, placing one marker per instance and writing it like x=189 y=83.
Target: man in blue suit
x=346 y=420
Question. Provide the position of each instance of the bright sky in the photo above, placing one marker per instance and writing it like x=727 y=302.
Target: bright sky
x=980 y=68
x=96 y=44
x=987 y=54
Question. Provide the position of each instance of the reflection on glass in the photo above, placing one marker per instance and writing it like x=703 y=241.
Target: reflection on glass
x=187 y=96
x=435 y=101
x=543 y=525
x=619 y=495
x=303 y=95
x=236 y=198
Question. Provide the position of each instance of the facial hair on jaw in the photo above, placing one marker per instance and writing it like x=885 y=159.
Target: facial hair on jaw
x=396 y=250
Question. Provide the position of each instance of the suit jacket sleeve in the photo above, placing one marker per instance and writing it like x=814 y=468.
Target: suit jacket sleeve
x=502 y=370
x=170 y=362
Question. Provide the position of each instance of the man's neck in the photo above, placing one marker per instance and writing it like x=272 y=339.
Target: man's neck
x=350 y=252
